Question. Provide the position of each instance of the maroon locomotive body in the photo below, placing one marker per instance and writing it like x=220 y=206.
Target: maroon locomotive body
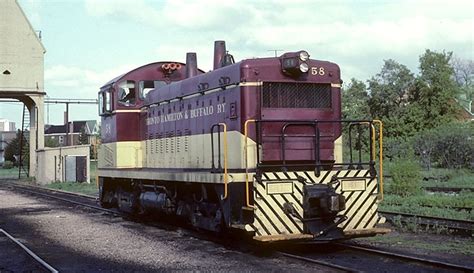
x=253 y=145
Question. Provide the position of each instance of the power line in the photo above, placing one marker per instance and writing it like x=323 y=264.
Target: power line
x=71 y=101
x=58 y=101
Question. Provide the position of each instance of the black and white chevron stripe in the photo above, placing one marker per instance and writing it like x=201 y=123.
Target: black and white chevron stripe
x=270 y=219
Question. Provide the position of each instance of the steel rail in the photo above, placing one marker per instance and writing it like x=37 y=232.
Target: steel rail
x=31 y=253
x=466 y=225
x=409 y=258
x=22 y=188
x=306 y=259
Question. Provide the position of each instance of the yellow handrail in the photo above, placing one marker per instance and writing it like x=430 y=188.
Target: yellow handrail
x=380 y=150
x=247 y=194
x=225 y=160
x=380 y=157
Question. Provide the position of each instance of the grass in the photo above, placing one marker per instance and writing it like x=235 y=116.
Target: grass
x=436 y=204
x=9 y=173
x=449 y=245
x=465 y=199
x=84 y=188
x=431 y=211
x=461 y=178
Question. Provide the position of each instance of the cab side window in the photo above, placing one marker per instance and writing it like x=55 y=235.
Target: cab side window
x=147 y=86
x=126 y=93
x=105 y=102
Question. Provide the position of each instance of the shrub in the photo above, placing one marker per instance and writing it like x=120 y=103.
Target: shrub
x=7 y=164
x=406 y=177
x=450 y=146
x=397 y=148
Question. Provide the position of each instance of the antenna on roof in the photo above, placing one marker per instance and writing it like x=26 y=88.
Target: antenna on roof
x=276 y=51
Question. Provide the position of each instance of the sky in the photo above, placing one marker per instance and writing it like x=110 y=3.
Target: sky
x=89 y=42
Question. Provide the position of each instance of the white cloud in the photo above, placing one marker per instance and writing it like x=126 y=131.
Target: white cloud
x=357 y=35
x=76 y=82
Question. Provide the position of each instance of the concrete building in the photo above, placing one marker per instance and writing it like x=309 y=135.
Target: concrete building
x=7 y=134
x=22 y=70
x=6 y=125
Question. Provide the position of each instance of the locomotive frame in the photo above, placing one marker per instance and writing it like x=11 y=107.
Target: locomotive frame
x=254 y=145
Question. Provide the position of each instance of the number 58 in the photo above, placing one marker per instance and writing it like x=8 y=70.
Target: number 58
x=317 y=71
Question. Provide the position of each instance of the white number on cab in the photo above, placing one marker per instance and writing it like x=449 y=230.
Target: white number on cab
x=317 y=71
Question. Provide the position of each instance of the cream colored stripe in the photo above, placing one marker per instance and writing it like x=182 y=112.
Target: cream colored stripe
x=360 y=198
x=273 y=216
x=291 y=175
x=364 y=212
x=199 y=177
x=284 y=216
x=263 y=218
x=270 y=176
x=127 y=111
x=251 y=83
x=348 y=204
x=338 y=85
x=373 y=221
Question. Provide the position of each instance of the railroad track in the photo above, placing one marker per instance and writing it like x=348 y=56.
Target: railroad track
x=64 y=196
x=337 y=260
x=462 y=226
x=447 y=189
x=468 y=209
x=38 y=261
x=353 y=258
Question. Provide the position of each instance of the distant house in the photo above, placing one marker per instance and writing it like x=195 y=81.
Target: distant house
x=55 y=135
x=467 y=109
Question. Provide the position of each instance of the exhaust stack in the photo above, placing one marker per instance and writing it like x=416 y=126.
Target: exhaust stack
x=191 y=65
x=219 y=53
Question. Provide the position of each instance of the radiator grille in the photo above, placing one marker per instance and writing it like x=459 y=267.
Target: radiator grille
x=296 y=95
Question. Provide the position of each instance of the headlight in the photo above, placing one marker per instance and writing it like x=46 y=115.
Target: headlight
x=304 y=56
x=304 y=67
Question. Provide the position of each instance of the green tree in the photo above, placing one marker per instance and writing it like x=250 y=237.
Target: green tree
x=435 y=90
x=83 y=137
x=355 y=101
x=50 y=142
x=13 y=147
x=389 y=93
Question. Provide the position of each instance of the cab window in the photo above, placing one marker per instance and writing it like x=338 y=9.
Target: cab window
x=105 y=102
x=126 y=93
x=147 y=86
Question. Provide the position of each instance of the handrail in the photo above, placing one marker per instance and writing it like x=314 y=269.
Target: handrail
x=379 y=122
x=373 y=135
x=247 y=194
x=226 y=175
x=380 y=198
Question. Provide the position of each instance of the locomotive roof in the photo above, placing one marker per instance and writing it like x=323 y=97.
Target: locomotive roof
x=143 y=67
x=190 y=85
x=251 y=71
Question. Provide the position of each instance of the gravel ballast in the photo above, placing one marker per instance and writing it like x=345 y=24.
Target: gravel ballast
x=72 y=239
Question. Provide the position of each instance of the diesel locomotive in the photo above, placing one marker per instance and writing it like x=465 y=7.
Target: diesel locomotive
x=254 y=145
